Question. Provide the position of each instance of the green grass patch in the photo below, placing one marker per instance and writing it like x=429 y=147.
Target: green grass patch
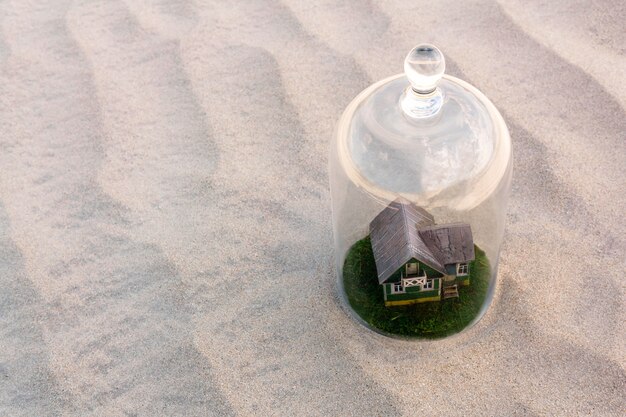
x=425 y=320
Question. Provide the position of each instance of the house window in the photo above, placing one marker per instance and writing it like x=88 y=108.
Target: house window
x=462 y=269
x=412 y=268
x=397 y=288
x=428 y=285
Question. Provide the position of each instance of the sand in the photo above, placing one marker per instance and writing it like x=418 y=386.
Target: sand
x=165 y=237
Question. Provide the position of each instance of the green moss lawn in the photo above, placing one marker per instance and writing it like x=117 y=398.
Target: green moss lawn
x=425 y=320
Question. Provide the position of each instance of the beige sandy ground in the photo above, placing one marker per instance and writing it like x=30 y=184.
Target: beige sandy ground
x=165 y=240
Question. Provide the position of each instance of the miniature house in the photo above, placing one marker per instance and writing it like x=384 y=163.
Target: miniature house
x=416 y=260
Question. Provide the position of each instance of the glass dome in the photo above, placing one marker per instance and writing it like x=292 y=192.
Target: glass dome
x=420 y=170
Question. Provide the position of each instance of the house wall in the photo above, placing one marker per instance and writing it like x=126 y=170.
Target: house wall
x=411 y=294
x=409 y=302
x=397 y=301
x=464 y=280
x=430 y=273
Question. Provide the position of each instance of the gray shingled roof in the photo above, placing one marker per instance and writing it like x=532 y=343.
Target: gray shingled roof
x=403 y=231
x=450 y=243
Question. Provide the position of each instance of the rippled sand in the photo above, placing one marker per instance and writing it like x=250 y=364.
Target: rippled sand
x=165 y=239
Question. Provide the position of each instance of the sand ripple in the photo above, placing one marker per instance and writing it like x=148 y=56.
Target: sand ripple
x=164 y=210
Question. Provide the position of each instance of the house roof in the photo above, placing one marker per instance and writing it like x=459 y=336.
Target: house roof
x=403 y=231
x=450 y=243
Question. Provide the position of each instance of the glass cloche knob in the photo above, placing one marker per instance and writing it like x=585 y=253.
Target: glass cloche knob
x=423 y=67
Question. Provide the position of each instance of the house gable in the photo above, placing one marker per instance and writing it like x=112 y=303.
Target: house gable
x=395 y=239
